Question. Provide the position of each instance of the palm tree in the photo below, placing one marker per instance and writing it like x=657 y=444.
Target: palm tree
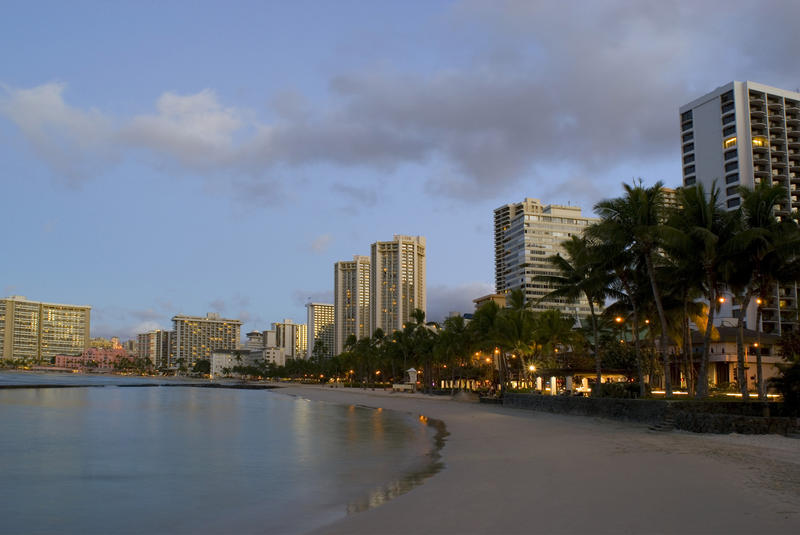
x=707 y=230
x=771 y=248
x=514 y=328
x=580 y=273
x=638 y=219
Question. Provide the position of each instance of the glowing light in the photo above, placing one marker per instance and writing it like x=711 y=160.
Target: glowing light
x=532 y=368
x=758 y=301
x=618 y=319
x=488 y=359
x=721 y=299
x=731 y=142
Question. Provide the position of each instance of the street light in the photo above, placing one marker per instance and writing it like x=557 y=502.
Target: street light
x=532 y=368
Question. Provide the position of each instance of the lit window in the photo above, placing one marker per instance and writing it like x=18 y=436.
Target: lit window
x=731 y=142
x=759 y=141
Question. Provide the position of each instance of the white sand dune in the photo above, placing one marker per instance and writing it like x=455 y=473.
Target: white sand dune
x=516 y=471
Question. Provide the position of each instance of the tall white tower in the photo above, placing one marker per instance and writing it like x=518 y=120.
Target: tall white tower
x=738 y=135
x=398 y=281
x=526 y=234
x=351 y=300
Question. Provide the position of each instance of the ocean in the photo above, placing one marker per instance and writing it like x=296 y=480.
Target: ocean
x=130 y=458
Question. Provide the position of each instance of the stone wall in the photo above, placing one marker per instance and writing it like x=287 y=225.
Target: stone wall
x=696 y=416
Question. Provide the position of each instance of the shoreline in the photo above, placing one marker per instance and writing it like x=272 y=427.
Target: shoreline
x=518 y=471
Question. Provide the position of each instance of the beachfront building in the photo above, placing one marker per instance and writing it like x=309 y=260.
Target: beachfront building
x=320 y=317
x=723 y=358
x=397 y=282
x=196 y=337
x=738 y=135
x=37 y=332
x=526 y=234
x=94 y=359
x=156 y=346
x=291 y=338
x=351 y=300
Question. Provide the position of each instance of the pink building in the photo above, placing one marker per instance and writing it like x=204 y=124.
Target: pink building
x=94 y=358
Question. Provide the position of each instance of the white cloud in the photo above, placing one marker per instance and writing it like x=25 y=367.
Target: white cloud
x=194 y=130
x=75 y=143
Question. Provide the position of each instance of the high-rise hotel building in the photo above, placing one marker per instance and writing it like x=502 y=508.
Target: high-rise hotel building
x=738 y=135
x=196 y=337
x=398 y=282
x=526 y=234
x=156 y=346
x=351 y=300
x=38 y=332
x=320 y=320
x=290 y=337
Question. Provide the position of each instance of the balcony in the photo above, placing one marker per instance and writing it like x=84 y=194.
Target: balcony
x=760 y=172
x=774 y=105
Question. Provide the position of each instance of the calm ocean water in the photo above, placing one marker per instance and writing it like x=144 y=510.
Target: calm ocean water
x=194 y=460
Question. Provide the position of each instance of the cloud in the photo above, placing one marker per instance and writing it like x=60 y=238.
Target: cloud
x=74 y=143
x=443 y=299
x=193 y=130
x=321 y=243
x=218 y=305
x=519 y=91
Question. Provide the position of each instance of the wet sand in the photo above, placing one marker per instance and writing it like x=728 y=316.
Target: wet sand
x=517 y=471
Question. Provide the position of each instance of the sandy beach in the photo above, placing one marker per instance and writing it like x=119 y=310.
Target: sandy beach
x=517 y=471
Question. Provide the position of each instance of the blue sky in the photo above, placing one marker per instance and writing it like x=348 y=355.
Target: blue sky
x=186 y=157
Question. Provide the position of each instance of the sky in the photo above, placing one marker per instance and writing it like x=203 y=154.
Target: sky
x=184 y=157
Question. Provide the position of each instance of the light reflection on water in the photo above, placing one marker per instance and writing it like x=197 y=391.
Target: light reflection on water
x=194 y=460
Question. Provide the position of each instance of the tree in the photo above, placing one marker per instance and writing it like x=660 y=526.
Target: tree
x=638 y=218
x=766 y=250
x=707 y=230
x=202 y=366
x=580 y=273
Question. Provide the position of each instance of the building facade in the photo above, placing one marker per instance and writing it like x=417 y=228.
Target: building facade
x=94 y=359
x=738 y=135
x=291 y=338
x=156 y=346
x=351 y=300
x=320 y=319
x=526 y=234
x=37 y=332
x=196 y=337
x=397 y=281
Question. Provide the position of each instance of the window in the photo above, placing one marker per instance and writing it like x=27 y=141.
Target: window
x=688 y=159
x=730 y=154
x=732 y=190
x=730 y=179
x=688 y=137
x=727 y=107
x=733 y=203
x=689 y=170
x=686 y=116
x=689 y=147
x=729 y=119
x=689 y=181
x=728 y=130
x=730 y=142
x=759 y=141
x=731 y=166
x=687 y=126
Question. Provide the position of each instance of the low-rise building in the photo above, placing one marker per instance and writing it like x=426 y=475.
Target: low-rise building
x=93 y=359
